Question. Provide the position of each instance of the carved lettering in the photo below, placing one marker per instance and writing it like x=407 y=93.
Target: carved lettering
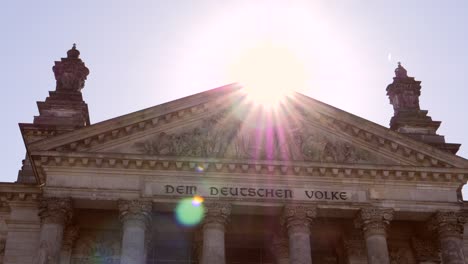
x=254 y=192
x=214 y=191
x=180 y=189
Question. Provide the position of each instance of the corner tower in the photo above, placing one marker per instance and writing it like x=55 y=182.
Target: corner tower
x=64 y=110
x=408 y=118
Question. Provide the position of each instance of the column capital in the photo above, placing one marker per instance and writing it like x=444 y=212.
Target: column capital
x=56 y=210
x=374 y=221
x=448 y=224
x=135 y=210
x=217 y=213
x=298 y=217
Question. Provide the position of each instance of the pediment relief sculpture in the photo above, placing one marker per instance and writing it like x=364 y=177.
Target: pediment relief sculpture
x=234 y=139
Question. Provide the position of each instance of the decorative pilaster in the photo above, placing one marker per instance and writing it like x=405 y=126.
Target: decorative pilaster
x=374 y=222
x=216 y=217
x=136 y=219
x=55 y=214
x=449 y=227
x=297 y=219
x=69 y=238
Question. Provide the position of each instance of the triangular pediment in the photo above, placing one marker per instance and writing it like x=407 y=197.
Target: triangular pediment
x=222 y=124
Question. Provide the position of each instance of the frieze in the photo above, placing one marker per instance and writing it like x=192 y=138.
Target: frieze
x=220 y=138
x=257 y=167
x=253 y=192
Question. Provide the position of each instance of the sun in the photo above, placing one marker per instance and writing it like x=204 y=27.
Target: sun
x=269 y=74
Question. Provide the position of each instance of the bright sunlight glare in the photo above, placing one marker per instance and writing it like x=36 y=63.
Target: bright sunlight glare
x=269 y=74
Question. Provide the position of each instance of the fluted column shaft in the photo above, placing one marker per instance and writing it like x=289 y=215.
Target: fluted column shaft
x=136 y=218
x=216 y=216
x=55 y=214
x=374 y=222
x=449 y=226
x=297 y=219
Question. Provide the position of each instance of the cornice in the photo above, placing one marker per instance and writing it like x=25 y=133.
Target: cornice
x=378 y=135
x=313 y=169
x=137 y=122
x=12 y=192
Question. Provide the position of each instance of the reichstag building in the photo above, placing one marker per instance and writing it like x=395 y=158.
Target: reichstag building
x=213 y=179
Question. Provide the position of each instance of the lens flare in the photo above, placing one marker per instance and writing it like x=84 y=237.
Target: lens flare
x=269 y=74
x=199 y=168
x=190 y=211
x=197 y=200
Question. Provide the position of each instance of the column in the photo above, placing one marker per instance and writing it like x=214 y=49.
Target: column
x=136 y=219
x=280 y=248
x=55 y=214
x=69 y=238
x=216 y=216
x=449 y=227
x=297 y=219
x=374 y=222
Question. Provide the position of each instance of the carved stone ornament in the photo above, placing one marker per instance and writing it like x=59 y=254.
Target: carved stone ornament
x=374 y=221
x=218 y=137
x=69 y=237
x=70 y=72
x=95 y=246
x=56 y=210
x=297 y=218
x=448 y=224
x=136 y=211
x=425 y=250
x=216 y=214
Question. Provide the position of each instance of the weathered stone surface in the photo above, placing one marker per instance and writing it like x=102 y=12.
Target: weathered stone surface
x=297 y=219
x=449 y=226
x=55 y=214
x=408 y=118
x=374 y=222
x=313 y=154
x=136 y=218
x=216 y=217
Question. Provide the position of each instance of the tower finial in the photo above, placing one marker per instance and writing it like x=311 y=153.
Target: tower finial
x=400 y=72
x=73 y=53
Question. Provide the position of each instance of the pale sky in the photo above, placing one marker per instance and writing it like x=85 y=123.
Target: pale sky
x=144 y=53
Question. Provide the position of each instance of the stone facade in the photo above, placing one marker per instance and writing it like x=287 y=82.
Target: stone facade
x=208 y=179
